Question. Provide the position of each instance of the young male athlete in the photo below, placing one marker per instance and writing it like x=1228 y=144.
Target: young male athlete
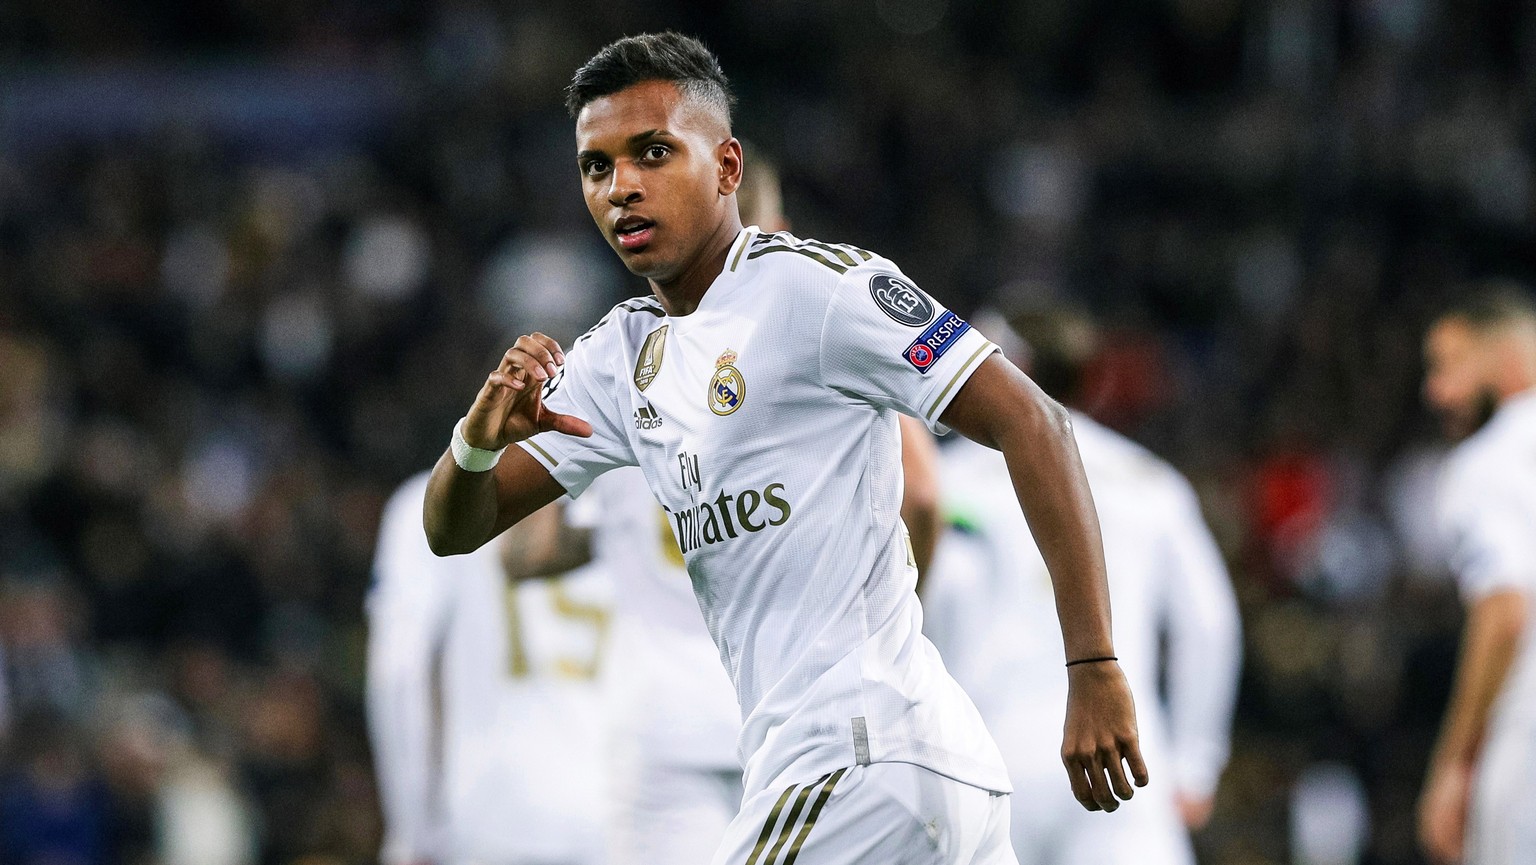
x=778 y=366
x=987 y=603
x=674 y=776
x=483 y=704
x=1481 y=378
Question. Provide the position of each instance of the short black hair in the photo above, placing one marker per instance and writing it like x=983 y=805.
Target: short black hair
x=1492 y=305
x=667 y=56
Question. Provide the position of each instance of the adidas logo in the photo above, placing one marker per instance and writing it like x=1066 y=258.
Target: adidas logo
x=646 y=417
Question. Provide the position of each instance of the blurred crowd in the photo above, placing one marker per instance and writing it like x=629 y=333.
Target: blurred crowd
x=256 y=257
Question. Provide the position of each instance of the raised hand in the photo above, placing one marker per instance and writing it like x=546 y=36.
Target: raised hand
x=1100 y=735
x=510 y=405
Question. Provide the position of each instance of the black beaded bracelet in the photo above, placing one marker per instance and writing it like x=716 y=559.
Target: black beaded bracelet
x=1092 y=660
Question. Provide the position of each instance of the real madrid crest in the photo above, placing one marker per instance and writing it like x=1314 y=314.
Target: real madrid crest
x=727 y=387
x=648 y=364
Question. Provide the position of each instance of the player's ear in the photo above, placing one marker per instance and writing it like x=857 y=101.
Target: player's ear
x=728 y=158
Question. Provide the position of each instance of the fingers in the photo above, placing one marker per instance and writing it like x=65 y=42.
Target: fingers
x=1098 y=776
x=1117 y=781
x=1131 y=748
x=508 y=407
x=498 y=384
x=564 y=423
x=536 y=354
x=483 y=421
x=1082 y=791
x=1102 y=794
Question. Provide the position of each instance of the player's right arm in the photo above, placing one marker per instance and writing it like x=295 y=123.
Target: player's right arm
x=465 y=509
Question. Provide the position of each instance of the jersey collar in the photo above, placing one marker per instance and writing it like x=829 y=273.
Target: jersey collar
x=735 y=265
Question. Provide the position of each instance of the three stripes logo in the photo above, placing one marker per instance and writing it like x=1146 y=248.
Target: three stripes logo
x=840 y=257
x=646 y=417
x=822 y=789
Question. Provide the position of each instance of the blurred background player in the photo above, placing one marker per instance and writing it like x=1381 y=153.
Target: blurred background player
x=990 y=613
x=483 y=701
x=1480 y=359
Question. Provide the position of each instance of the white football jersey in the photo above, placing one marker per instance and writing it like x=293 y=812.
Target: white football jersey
x=1488 y=506
x=667 y=692
x=765 y=423
x=483 y=703
x=992 y=616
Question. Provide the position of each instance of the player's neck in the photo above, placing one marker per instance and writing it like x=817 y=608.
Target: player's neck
x=1517 y=389
x=1518 y=378
x=682 y=294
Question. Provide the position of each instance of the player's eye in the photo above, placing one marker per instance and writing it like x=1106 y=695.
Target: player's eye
x=656 y=151
x=594 y=168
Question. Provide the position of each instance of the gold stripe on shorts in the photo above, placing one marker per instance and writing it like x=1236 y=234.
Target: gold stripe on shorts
x=810 y=819
x=773 y=818
x=794 y=814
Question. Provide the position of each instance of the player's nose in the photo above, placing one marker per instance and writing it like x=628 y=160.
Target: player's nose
x=625 y=187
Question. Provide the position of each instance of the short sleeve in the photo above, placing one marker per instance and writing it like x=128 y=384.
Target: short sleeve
x=1490 y=540
x=585 y=388
x=886 y=341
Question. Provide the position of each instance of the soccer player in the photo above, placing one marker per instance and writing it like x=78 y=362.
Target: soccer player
x=671 y=716
x=777 y=366
x=987 y=603
x=1480 y=376
x=482 y=704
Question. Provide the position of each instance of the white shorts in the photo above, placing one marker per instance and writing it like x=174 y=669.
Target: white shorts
x=1501 y=826
x=886 y=813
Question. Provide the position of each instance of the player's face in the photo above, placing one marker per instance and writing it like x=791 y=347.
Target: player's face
x=1456 y=377
x=655 y=167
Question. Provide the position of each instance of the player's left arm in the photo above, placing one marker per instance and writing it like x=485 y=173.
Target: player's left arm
x=920 y=495
x=1000 y=407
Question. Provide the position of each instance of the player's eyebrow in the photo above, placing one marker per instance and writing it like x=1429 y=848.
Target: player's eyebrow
x=647 y=135
x=633 y=141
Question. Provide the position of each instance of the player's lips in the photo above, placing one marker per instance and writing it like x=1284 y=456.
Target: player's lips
x=634 y=232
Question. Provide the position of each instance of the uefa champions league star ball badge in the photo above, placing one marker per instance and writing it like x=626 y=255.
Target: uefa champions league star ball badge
x=727 y=387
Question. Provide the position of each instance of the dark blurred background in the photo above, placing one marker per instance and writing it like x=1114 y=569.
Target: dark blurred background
x=256 y=255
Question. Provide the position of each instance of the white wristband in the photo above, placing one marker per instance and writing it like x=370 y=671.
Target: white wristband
x=469 y=457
